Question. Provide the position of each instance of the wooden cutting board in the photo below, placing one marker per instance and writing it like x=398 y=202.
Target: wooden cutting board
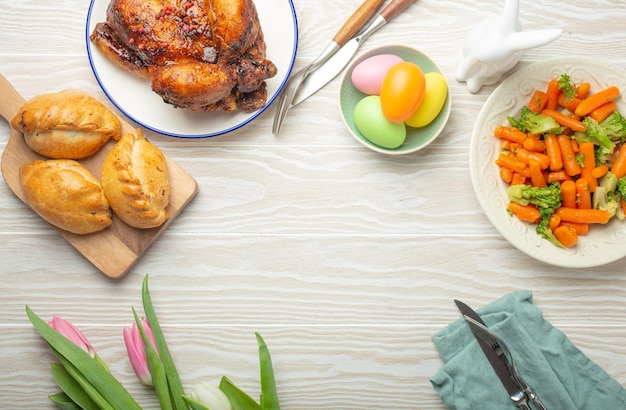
x=116 y=249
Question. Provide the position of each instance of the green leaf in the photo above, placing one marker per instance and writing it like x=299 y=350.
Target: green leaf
x=173 y=379
x=194 y=404
x=238 y=399
x=71 y=388
x=269 y=395
x=89 y=389
x=157 y=372
x=62 y=401
x=91 y=370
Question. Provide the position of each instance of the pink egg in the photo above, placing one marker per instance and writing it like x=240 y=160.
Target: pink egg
x=368 y=75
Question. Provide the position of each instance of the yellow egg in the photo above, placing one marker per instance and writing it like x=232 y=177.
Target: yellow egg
x=435 y=95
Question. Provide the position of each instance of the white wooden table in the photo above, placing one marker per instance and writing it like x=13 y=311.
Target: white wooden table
x=345 y=261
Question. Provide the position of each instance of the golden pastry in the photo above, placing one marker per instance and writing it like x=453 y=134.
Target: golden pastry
x=66 y=194
x=136 y=181
x=66 y=125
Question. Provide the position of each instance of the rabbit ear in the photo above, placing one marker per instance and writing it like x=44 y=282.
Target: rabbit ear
x=522 y=40
x=510 y=12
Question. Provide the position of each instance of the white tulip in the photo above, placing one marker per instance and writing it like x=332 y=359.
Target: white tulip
x=211 y=396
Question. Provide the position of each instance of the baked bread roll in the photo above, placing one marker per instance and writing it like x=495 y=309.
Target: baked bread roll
x=136 y=181
x=66 y=125
x=66 y=194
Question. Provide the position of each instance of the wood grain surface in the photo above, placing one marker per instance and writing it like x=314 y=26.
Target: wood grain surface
x=346 y=261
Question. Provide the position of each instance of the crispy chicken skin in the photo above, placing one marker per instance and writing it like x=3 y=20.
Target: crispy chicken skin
x=202 y=55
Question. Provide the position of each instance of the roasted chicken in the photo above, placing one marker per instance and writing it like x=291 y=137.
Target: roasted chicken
x=202 y=55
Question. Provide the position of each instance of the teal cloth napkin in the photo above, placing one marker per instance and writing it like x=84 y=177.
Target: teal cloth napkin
x=558 y=372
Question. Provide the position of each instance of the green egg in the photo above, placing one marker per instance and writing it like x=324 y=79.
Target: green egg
x=372 y=124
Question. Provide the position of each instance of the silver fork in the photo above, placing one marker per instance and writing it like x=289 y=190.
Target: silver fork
x=503 y=351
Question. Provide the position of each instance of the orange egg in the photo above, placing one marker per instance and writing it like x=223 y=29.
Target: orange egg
x=402 y=91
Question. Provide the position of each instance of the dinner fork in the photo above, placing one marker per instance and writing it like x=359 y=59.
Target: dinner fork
x=502 y=349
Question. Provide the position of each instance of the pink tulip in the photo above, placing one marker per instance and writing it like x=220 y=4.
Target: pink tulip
x=135 y=347
x=72 y=333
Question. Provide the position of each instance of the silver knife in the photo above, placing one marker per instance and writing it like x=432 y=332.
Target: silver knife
x=333 y=66
x=492 y=347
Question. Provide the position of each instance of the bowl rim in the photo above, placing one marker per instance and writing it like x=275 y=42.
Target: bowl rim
x=387 y=49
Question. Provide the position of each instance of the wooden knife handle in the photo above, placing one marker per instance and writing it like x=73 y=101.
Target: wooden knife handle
x=394 y=8
x=357 y=20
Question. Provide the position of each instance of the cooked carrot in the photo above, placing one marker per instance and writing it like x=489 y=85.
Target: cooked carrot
x=602 y=112
x=623 y=205
x=568 y=191
x=506 y=174
x=526 y=213
x=600 y=171
x=536 y=176
x=554 y=152
x=597 y=99
x=569 y=157
x=587 y=149
x=590 y=216
x=566 y=235
x=554 y=221
x=537 y=101
x=581 y=229
x=558 y=176
x=583 y=193
x=568 y=102
x=512 y=163
x=565 y=121
x=619 y=166
x=533 y=143
x=526 y=156
x=552 y=91
x=510 y=133
x=518 y=179
x=582 y=90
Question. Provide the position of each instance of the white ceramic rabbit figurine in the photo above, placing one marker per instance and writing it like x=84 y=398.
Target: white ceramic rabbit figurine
x=495 y=45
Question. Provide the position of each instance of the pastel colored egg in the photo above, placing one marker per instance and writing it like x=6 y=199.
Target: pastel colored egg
x=402 y=91
x=368 y=75
x=435 y=95
x=375 y=127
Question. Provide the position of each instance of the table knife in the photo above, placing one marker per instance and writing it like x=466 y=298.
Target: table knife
x=334 y=65
x=496 y=358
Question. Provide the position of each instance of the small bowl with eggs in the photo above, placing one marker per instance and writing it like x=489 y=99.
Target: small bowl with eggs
x=394 y=99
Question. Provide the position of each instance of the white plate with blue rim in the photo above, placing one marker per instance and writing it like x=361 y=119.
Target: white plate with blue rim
x=604 y=243
x=135 y=98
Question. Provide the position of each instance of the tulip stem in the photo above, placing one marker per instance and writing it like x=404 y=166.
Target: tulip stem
x=155 y=366
x=173 y=379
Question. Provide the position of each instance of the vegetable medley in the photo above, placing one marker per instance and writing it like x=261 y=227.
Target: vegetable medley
x=564 y=159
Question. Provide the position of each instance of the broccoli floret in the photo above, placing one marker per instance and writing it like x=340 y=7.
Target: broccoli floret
x=597 y=134
x=615 y=127
x=608 y=182
x=535 y=123
x=566 y=86
x=621 y=187
x=604 y=156
x=606 y=200
x=547 y=198
x=543 y=229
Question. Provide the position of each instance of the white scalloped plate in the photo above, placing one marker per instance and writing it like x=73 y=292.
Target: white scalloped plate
x=135 y=98
x=603 y=244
